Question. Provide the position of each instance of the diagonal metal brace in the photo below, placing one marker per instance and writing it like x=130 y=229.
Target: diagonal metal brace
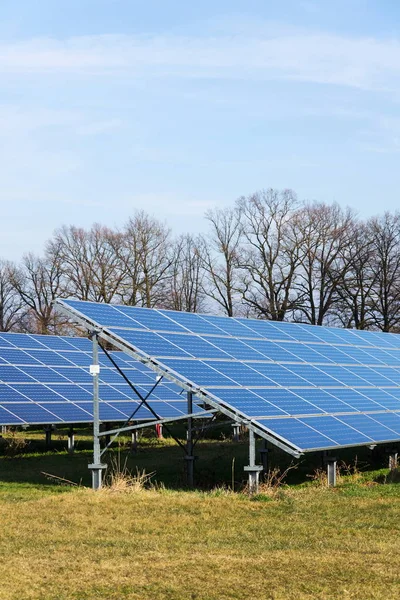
x=143 y=401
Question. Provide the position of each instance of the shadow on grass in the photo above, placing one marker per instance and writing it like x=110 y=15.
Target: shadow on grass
x=218 y=463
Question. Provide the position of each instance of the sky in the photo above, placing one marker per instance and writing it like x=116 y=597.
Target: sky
x=176 y=107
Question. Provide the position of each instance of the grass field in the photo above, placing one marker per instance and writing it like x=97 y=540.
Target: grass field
x=298 y=541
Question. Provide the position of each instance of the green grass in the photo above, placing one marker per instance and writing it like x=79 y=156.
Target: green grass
x=301 y=541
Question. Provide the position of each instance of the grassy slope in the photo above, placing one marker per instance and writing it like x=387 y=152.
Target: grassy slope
x=307 y=542
x=312 y=543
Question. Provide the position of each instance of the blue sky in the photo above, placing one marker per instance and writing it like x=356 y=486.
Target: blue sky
x=108 y=106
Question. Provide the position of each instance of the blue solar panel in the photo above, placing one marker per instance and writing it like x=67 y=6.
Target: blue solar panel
x=383 y=397
x=36 y=392
x=11 y=394
x=18 y=357
x=230 y=326
x=249 y=401
x=282 y=375
x=338 y=431
x=392 y=421
x=358 y=401
x=273 y=351
x=198 y=372
x=315 y=376
x=306 y=354
x=311 y=387
x=393 y=375
x=7 y=417
x=292 y=403
x=240 y=373
x=368 y=426
x=298 y=433
x=4 y=343
x=299 y=333
x=149 y=319
x=266 y=330
x=151 y=343
x=30 y=412
x=46 y=357
x=343 y=375
x=14 y=375
x=324 y=400
x=194 y=346
x=49 y=382
x=192 y=322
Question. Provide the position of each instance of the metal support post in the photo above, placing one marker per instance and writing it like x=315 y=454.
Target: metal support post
x=71 y=440
x=134 y=440
x=47 y=431
x=264 y=456
x=3 y=429
x=393 y=460
x=236 y=432
x=159 y=432
x=331 y=464
x=189 y=443
x=96 y=467
x=252 y=469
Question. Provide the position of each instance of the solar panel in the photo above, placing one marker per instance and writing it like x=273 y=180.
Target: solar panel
x=46 y=379
x=306 y=387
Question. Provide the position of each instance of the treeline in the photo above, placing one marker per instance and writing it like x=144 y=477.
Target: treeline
x=268 y=256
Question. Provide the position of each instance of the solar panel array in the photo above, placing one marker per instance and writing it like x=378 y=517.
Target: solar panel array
x=46 y=379
x=308 y=386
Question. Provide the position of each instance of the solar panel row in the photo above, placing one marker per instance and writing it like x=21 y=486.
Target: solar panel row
x=46 y=379
x=312 y=387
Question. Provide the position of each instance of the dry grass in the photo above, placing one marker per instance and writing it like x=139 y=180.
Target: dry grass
x=315 y=544
x=119 y=478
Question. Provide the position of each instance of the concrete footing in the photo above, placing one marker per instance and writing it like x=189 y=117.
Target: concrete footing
x=97 y=475
x=253 y=472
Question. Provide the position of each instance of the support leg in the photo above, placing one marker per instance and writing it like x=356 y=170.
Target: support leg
x=96 y=467
x=236 y=432
x=252 y=469
x=47 y=431
x=393 y=460
x=134 y=440
x=189 y=458
x=159 y=431
x=331 y=466
x=71 y=440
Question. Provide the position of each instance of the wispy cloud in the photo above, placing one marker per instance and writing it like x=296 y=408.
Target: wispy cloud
x=317 y=57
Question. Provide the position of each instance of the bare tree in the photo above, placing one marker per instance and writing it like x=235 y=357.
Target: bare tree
x=323 y=235
x=269 y=256
x=91 y=267
x=38 y=283
x=146 y=255
x=386 y=265
x=11 y=306
x=184 y=288
x=355 y=308
x=219 y=254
